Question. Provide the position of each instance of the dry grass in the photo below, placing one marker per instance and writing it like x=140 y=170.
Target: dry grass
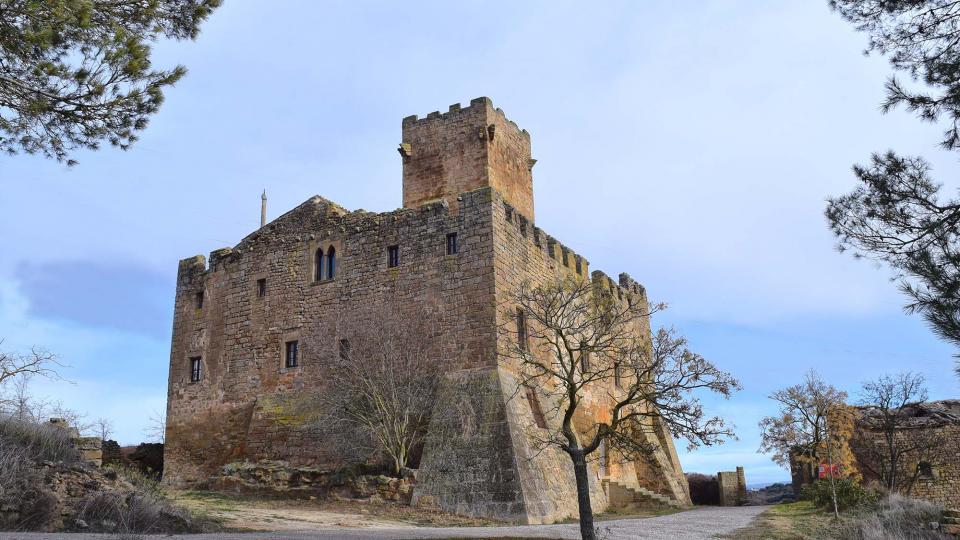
x=22 y=445
x=894 y=518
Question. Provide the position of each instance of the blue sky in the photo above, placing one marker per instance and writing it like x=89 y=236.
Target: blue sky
x=693 y=148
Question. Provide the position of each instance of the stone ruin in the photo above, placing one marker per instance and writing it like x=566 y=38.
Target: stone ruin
x=733 y=487
x=90 y=448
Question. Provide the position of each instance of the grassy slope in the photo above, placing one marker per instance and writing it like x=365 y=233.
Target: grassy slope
x=791 y=521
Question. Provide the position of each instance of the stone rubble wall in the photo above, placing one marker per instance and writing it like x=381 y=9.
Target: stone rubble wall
x=943 y=487
x=282 y=479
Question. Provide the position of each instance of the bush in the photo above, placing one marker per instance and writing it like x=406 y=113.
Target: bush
x=136 y=512
x=704 y=489
x=145 y=510
x=22 y=444
x=850 y=494
x=895 y=518
x=41 y=442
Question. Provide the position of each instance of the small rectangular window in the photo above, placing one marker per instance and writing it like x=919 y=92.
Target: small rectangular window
x=564 y=253
x=616 y=375
x=522 y=340
x=344 y=349
x=200 y=300
x=584 y=358
x=452 y=243
x=393 y=256
x=579 y=265
x=262 y=287
x=195 y=369
x=291 y=356
x=523 y=226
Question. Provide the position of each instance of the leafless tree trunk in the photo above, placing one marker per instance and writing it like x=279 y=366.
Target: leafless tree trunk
x=574 y=339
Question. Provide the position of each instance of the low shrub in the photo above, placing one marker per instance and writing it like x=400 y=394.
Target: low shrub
x=144 y=510
x=850 y=494
x=704 y=489
x=41 y=442
x=895 y=518
x=135 y=512
x=26 y=504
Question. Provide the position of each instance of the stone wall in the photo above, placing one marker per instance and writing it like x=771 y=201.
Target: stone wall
x=280 y=478
x=934 y=428
x=733 y=487
x=239 y=336
x=943 y=485
x=526 y=254
x=90 y=448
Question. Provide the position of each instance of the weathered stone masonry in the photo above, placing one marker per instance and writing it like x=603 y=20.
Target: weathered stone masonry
x=465 y=172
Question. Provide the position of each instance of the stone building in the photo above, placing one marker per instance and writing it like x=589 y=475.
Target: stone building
x=932 y=429
x=263 y=318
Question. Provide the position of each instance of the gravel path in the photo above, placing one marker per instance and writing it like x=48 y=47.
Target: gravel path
x=698 y=524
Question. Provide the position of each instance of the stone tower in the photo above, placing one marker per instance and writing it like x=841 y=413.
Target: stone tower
x=465 y=149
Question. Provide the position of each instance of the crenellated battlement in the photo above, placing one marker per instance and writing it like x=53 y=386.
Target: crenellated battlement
x=463 y=149
x=480 y=105
x=550 y=248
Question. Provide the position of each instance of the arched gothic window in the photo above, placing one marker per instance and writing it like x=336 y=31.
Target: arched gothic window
x=331 y=263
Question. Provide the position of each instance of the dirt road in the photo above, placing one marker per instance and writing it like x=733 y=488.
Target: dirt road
x=698 y=524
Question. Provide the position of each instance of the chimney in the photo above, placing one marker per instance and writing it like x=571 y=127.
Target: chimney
x=263 y=208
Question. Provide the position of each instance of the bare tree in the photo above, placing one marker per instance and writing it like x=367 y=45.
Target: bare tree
x=806 y=427
x=103 y=428
x=379 y=392
x=892 y=440
x=37 y=362
x=575 y=340
x=156 y=430
x=74 y=418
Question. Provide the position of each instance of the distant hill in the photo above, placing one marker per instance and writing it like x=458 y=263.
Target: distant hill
x=771 y=494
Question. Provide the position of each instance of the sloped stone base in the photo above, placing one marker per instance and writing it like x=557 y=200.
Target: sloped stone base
x=481 y=457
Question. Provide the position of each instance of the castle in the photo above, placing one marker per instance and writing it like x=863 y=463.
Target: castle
x=263 y=319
